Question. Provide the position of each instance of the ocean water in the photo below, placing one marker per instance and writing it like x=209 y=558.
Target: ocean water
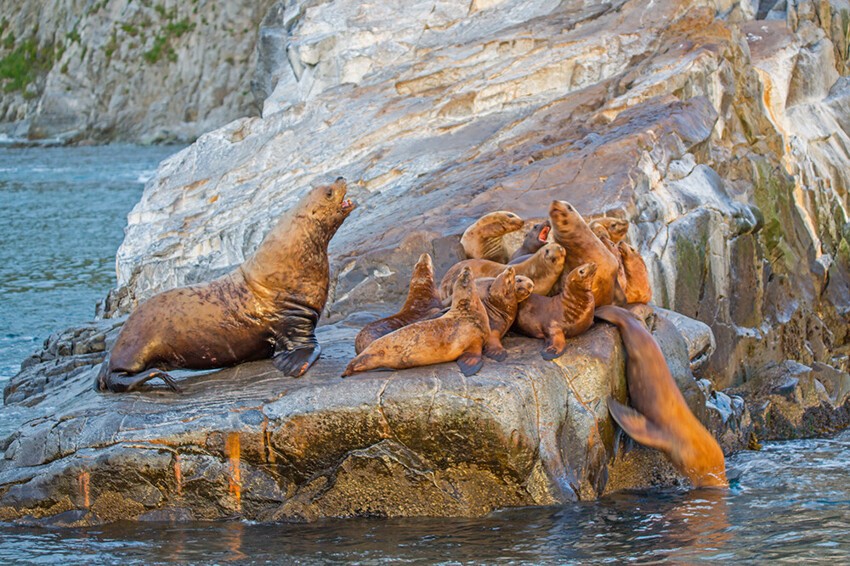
x=62 y=217
x=63 y=212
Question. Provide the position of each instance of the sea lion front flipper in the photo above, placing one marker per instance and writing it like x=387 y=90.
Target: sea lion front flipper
x=554 y=345
x=470 y=363
x=295 y=363
x=638 y=426
x=494 y=349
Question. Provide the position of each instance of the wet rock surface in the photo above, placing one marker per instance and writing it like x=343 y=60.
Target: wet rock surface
x=721 y=138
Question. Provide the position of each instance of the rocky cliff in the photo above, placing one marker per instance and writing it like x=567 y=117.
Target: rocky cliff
x=138 y=70
x=722 y=138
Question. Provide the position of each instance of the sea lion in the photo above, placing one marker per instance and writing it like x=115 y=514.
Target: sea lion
x=267 y=307
x=544 y=268
x=501 y=296
x=614 y=228
x=483 y=240
x=563 y=316
x=533 y=241
x=458 y=335
x=423 y=300
x=636 y=288
x=661 y=418
x=582 y=246
x=619 y=289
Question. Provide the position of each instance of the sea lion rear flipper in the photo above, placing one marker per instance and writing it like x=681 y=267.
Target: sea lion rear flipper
x=554 y=346
x=638 y=426
x=119 y=382
x=470 y=363
x=494 y=350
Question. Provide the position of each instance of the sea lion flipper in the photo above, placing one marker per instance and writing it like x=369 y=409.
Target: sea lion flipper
x=295 y=363
x=494 y=350
x=119 y=382
x=470 y=363
x=638 y=426
x=554 y=346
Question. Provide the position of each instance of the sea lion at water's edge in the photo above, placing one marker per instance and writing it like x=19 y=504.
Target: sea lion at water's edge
x=267 y=307
x=659 y=416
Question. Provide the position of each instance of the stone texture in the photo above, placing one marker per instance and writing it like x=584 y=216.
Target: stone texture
x=129 y=70
x=250 y=442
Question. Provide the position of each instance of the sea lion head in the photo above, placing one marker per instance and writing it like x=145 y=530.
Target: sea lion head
x=524 y=287
x=627 y=251
x=503 y=289
x=554 y=254
x=581 y=278
x=328 y=206
x=564 y=217
x=616 y=228
x=600 y=231
x=463 y=286
x=504 y=221
x=423 y=270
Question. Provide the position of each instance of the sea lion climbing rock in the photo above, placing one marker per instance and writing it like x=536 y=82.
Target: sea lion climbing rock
x=583 y=246
x=637 y=288
x=659 y=416
x=458 y=335
x=267 y=307
x=423 y=300
x=484 y=239
x=567 y=314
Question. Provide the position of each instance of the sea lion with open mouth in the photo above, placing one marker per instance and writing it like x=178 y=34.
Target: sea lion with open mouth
x=267 y=307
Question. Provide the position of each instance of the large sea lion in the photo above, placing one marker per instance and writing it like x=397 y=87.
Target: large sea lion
x=267 y=307
x=637 y=288
x=614 y=228
x=661 y=418
x=533 y=241
x=544 y=268
x=423 y=300
x=563 y=316
x=484 y=239
x=458 y=335
x=571 y=231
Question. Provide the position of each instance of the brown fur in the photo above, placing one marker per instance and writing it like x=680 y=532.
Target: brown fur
x=660 y=417
x=615 y=228
x=266 y=307
x=423 y=300
x=457 y=335
x=501 y=296
x=544 y=268
x=637 y=288
x=582 y=246
x=484 y=239
x=563 y=316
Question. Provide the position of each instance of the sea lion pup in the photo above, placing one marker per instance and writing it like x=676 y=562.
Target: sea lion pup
x=533 y=241
x=660 y=417
x=423 y=300
x=483 y=240
x=543 y=267
x=615 y=228
x=563 y=316
x=571 y=231
x=458 y=335
x=267 y=307
x=637 y=287
x=501 y=296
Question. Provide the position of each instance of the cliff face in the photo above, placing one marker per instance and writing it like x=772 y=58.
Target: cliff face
x=140 y=70
x=722 y=138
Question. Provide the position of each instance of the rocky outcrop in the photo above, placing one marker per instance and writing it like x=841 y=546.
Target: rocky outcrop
x=248 y=441
x=145 y=71
x=721 y=138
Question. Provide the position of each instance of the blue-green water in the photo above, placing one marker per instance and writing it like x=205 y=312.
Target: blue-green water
x=62 y=217
x=63 y=211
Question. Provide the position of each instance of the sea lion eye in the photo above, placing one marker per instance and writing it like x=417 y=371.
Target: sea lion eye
x=329 y=192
